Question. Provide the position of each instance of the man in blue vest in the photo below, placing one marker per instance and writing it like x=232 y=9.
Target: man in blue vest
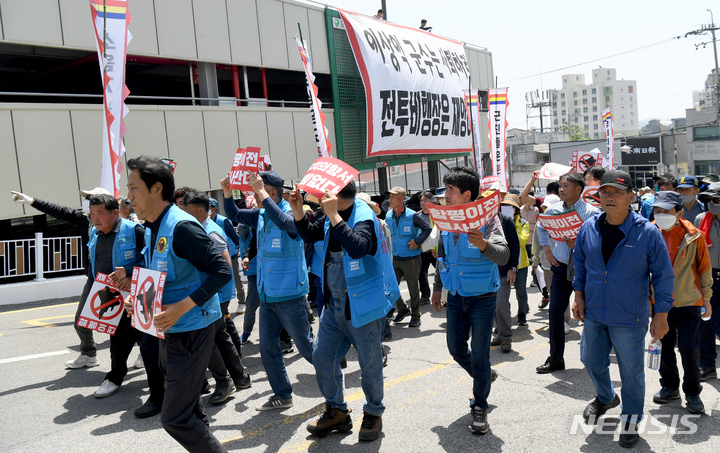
x=468 y=269
x=359 y=289
x=225 y=362
x=233 y=248
x=177 y=244
x=409 y=230
x=282 y=279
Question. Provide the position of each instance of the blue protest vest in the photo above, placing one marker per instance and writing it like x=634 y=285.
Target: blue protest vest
x=281 y=269
x=316 y=265
x=371 y=283
x=403 y=230
x=182 y=277
x=252 y=266
x=465 y=270
x=228 y=291
x=232 y=247
x=124 y=247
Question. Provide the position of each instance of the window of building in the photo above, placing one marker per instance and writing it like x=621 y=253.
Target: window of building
x=585 y=118
x=575 y=102
x=562 y=95
x=706 y=133
x=607 y=100
x=585 y=101
x=594 y=91
x=563 y=104
x=631 y=98
x=555 y=121
x=595 y=117
x=577 y=77
x=584 y=92
x=564 y=121
x=594 y=100
x=594 y=108
x=574 y=94
x=595 y=126
x=564 y=112
x=577 y=111
x=596 y=135
x=585 y=109
x=632 y=121
x=587 y=128
x=630 y=88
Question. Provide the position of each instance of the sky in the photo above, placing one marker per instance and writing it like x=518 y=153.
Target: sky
x=531 y=40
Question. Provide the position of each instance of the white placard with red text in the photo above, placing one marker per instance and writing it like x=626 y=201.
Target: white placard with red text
x=583 y=160
x=327 y=174
x=465 y=217
x=103 y=307
x=414 y=83
x=245 y=160
x=553 y=171
x=146 y=290
x=561 y=226
x=591 y=195
x=488 y=181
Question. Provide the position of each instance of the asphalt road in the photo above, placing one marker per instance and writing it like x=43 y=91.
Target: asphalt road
x=48 y=408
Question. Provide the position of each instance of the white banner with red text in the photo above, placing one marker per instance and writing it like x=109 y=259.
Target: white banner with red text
x=318 y=117
x=583 y=160
x=103 y=307
x=497 y=124
x=146 y=290
x=553 y=171
x=608 y=123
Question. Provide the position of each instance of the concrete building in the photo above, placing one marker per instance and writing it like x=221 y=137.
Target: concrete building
x=581 y=103
x=703 y=140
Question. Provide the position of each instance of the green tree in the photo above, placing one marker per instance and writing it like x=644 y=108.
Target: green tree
x=575 y=132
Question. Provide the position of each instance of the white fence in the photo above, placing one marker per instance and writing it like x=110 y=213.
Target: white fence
x=40 y=256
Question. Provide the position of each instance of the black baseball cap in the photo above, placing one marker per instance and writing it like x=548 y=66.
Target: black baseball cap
x=618 y=179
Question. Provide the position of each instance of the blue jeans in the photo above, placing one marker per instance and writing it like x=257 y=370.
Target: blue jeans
x=629 y=344
x=334 y=338
x=465 y=315
x=292 y=315
x=252 y=302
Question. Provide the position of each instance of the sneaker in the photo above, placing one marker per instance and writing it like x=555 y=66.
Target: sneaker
x=287 y=348
x=148 y=409
x=522 y=319
x=385 y=357
x=479 y=421
x=707 y=372
x=424 y=300
x=597 y=409
x=401 y=315
x=107 y=388
x=330 y=420
x=506 y=346
x=414 y=322
x=243 y=383
x=139 y=362
x=275 y=402
x=240 y=310
x=544 y=302
x=391 y=313
x=244 y=338
x=82 y=361
x=371 y=427
x=221 y=394
x=567 y=329
x=496 y=341
x=206 y=388
x=694 y=404
x=493 y=375
x=665 y=395
x=629 y=436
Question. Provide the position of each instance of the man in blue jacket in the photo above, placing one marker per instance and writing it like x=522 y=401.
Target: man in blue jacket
x=282 y=279
x=615 y=254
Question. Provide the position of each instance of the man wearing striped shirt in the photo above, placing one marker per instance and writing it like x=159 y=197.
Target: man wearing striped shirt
x=560 y=258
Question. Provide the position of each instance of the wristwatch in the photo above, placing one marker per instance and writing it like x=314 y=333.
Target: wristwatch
x=514 y=269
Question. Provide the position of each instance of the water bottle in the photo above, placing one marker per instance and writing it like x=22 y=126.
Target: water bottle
x=442 y=265
x=702 y=314
x=653 y=356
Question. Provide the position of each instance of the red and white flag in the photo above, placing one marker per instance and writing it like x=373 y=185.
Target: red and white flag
x=110 y=20
x=497 y=123
x=318 y=117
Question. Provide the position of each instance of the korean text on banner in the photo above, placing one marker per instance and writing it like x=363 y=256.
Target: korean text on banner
x=583 y=160
x=561 y=226
x=245 y=160
x=591 y=195
x=146 y=290
x=488 y=181
x=111 y=20
x=327 y=174
x=414 y=84
x=553 y=171
x=473 y=105
x=608 y=123
x=318 y=117
x=465 y=217
x=103 y=307
x=497 y=124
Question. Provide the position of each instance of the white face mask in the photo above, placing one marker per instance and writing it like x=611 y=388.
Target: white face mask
x=507 y=211
x=665 y=221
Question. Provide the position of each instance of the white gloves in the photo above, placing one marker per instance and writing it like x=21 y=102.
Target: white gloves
x=22 y=198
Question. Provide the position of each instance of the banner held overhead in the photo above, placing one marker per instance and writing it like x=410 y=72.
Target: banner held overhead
x=414 y=84
x=318 y=117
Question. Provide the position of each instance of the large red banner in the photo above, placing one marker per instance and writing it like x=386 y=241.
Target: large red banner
x=465 y=217
x=245 y=160
x=327 y=174
x=561 y=226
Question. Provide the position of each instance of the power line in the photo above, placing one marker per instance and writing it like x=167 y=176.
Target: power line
x=588 y=62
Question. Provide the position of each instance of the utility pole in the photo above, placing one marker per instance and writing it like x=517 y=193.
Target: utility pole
x=709 y=29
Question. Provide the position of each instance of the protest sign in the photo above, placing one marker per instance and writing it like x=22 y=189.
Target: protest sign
x=465 y=217
x=553 y=171
x=583 y=160
x=488 y=181
x=103 y=307
x=245 y=160
x=591 y=195
x=264 y=163
x=146 y=290
x=170 y=163
x=560 y=226
x=327 y=174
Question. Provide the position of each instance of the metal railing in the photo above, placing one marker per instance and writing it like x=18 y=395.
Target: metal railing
x=40 y=256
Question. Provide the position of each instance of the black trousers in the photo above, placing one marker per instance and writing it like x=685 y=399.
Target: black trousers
x=184 y=357
x=426 y=259
x=150 y=350
x=121 y=345
x=224 y=357
x=684 y=323
x=560 y=292
x=708 y=351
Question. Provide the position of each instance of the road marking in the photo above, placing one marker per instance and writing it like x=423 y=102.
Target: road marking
x=38 y=308
x=34 y=356
x=39 y=321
